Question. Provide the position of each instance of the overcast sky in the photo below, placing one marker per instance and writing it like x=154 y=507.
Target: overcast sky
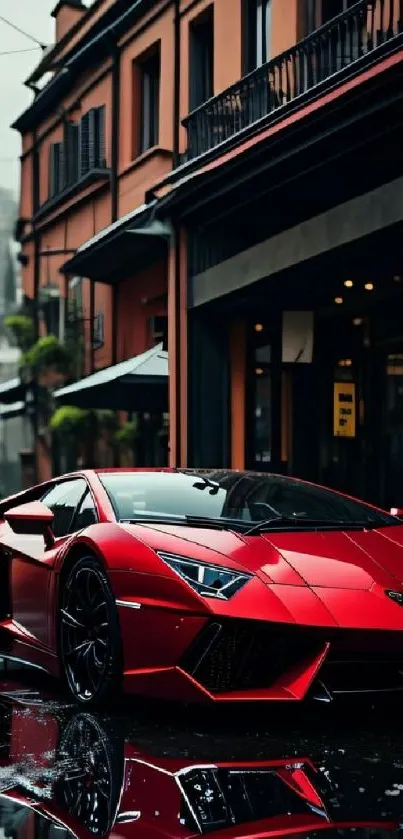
x=33 y=16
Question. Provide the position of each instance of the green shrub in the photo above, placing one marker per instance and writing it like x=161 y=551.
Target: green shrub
x=47 y=353
x=69 y=420
x=23 y=329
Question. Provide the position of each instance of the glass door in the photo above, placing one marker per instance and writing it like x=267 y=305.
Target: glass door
x=393 y=455
x=263 y=397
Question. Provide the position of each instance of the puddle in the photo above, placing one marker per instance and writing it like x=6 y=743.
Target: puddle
x=150 y=774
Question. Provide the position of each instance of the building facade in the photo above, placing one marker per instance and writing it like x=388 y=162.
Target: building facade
x=289 y=305
x=245 y=196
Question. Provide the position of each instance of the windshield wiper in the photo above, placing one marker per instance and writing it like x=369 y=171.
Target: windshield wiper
x=284 y=522
x=189 y=521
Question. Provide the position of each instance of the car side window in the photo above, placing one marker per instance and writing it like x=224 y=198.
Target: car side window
x=86 y=514
x=63 y=500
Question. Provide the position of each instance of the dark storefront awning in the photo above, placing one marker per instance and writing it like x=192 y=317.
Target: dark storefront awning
x=139 y=384
x=132 y=240
x=12 y=390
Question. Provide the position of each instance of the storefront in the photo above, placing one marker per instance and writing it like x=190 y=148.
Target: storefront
x=302 y=373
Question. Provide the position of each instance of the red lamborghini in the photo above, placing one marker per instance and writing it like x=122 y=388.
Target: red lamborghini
x=201 y=586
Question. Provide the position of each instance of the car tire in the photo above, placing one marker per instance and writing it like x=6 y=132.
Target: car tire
x=89 y=634
x=89 y=772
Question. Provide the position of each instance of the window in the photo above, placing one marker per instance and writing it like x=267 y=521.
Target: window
x=86 y=514
x=99 y=331
x=56 y=169
x=149 y=101
x=318 y=12
x=92 y=141
x=332 y=8
x=243 y=496
x=82 y=150
x=201 y=59
x=159 y=329
x=257 y=33
x=63 y=500
x=52 y=309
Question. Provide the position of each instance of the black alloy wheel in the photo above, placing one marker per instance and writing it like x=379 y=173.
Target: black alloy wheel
x=91 y=765
x=90 y=640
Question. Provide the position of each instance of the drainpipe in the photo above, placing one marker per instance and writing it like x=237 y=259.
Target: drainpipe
x=115 y=179
x=92 y=325
x=177 y=77
x=175 y=238
x=37 y=267
x=35 y=207
x=115 y=133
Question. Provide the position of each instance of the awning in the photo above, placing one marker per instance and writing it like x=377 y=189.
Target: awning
x=139 y=384
x=132 y=242
x=16 y=409
x=13 y=390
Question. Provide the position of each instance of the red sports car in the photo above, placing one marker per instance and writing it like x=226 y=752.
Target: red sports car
x=201 y=585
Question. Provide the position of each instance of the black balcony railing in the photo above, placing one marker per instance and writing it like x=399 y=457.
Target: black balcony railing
x=327 y=51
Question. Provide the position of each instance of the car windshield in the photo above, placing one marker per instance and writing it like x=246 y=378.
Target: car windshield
x=248 y=498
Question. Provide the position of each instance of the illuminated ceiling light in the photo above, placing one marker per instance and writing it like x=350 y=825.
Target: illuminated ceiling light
x=358 y=321
x=258 y=327
x=397 y=278
x=338 y=300
x=348 y=283
x=259 y=371
x=369 y=286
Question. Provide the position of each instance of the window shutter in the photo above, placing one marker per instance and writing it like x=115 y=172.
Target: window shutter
x=100 y=157
x=61 y=180
x=85 y=144
x=91 y=137
x=52 y=186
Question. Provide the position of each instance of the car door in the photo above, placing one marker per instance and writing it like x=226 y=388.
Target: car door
x=32 y=563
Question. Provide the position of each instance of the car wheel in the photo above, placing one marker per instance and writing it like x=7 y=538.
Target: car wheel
x=90 y=765
x=89 y=632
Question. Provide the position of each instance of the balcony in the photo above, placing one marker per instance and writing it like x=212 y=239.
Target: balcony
x=306 y=67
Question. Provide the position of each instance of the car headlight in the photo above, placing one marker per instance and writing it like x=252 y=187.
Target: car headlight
x=205 y=579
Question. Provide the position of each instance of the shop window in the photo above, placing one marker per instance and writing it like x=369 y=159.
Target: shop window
x=201 y=59
x=256 y=33
x=149 y=77
x=56 y=169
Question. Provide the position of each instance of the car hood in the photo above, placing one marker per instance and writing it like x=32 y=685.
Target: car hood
x=347 y=560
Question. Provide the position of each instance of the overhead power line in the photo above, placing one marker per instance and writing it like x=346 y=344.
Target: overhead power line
x=18 y=52
x=22 y=32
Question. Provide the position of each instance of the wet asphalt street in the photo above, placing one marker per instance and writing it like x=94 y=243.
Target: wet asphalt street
x=154 y=770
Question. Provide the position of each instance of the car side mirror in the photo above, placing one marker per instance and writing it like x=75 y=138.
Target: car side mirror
x=32 y=519
x=396 y=511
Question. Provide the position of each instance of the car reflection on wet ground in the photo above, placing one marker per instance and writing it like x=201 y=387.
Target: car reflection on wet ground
x=148 y=771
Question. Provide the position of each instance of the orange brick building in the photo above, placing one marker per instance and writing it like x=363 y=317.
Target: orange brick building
x=229 y=166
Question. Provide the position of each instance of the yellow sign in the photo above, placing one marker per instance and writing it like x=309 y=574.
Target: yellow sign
x=344 y=409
